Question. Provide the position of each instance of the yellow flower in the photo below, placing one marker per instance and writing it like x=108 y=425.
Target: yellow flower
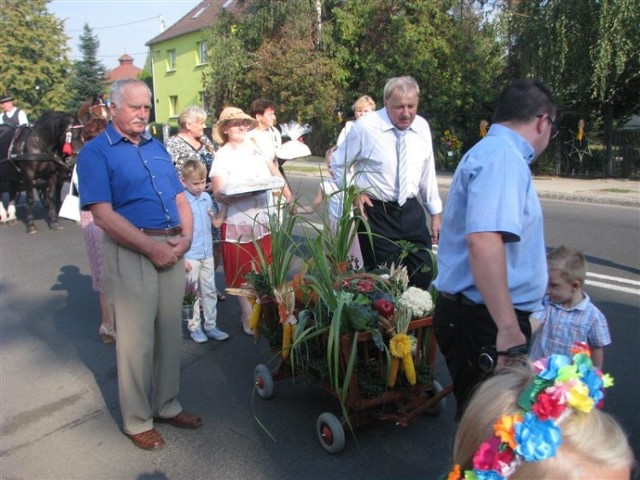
x=578 y=397
x=400 y=345
x=503 y=428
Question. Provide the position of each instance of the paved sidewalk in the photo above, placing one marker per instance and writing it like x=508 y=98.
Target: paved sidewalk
x=608 y=191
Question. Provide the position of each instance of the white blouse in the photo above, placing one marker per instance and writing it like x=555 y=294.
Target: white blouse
x=248 y=217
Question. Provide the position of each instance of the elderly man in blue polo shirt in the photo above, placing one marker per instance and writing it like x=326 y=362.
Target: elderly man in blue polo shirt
x=492 y=270
x=128 y=182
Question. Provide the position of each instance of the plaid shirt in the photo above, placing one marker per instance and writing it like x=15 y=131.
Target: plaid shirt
x=562 y=327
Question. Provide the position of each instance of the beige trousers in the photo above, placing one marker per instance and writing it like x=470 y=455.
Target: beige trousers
x=147 y=307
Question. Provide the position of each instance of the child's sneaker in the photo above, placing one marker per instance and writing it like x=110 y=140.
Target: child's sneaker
x=216 y=334
x=198 y=336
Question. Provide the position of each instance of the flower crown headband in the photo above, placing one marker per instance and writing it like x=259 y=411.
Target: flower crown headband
x=561 y=384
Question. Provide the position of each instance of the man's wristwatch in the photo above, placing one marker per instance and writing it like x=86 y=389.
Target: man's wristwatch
x=489 y=355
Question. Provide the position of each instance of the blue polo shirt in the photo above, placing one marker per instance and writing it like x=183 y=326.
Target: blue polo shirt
x=139 y=181
x=492 y=191
x=202 y=244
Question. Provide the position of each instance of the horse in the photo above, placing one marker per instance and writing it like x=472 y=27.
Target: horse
x=48 y=156
x=46 y=153
x=93 y=115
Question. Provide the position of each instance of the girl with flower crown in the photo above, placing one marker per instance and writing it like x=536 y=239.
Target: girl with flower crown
x=542 y=422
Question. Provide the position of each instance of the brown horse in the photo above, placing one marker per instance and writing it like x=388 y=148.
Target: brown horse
x=93 y=115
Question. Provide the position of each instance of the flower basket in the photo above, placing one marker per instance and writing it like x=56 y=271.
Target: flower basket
x=187 y=312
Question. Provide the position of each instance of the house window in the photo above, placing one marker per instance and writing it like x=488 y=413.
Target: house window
x=202 y=53
x=173 y=105
x=171 y=60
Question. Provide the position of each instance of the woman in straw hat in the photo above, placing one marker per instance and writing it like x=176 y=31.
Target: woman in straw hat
x=239 y=167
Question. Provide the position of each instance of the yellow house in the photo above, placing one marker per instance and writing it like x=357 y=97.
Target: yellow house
x=179 y=56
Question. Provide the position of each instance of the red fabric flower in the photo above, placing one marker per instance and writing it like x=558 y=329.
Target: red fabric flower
x=550 y=403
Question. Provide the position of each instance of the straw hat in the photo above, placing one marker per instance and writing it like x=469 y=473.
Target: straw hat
x=227 y=115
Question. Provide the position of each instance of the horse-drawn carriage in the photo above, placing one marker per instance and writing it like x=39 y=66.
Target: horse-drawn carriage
x=42 y=156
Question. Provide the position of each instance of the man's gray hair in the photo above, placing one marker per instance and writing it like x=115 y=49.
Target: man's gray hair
x=405 y=84
x=118 y=87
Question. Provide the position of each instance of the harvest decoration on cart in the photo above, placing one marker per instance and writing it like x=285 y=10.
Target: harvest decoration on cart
x=366 y=337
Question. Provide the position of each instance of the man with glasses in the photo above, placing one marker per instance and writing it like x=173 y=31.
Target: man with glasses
x=492 y=271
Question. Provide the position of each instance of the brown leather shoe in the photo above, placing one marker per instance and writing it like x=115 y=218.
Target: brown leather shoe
x=182 y=420
x=149 y=440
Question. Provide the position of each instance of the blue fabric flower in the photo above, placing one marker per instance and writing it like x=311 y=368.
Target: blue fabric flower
x=537 y=440
x=555 y=363
x=593 y=381
x=488 y=475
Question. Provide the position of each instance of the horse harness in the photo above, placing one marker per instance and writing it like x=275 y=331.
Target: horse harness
x=18 y=146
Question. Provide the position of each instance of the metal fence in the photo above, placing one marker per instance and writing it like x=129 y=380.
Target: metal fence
x=587 y=158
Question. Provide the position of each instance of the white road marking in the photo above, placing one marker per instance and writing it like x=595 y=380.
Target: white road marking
x=613 y=279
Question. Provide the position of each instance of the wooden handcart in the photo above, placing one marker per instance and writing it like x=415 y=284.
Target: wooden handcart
x=368 y=396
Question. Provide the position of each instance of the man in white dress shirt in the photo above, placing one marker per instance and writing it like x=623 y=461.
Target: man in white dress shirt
x=391 y=154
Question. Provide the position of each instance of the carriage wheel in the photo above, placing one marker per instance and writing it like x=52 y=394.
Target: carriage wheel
x=439 y=407
x=263 y=380
x=330 y=433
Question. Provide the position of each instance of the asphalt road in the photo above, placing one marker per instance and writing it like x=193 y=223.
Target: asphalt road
x=60 y=419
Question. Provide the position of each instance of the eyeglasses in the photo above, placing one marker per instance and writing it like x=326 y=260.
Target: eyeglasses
x=555 y=130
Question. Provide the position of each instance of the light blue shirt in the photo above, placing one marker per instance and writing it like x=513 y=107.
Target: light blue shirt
x=492 y=191
x=202 y=244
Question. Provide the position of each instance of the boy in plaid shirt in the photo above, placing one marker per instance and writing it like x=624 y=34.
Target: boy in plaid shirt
x=569 y=316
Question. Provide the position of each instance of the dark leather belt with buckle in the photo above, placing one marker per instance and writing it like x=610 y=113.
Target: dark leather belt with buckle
x=459 y=298
x=162 y=232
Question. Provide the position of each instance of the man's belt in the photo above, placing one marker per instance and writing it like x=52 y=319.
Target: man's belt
x=459 y=298
x=162 y=232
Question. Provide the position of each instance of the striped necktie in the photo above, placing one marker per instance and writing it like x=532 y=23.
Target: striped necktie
x=401 y=152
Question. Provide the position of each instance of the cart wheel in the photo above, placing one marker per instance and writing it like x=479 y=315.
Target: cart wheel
x=330 y=433
x=263 y=381
x=439 y=407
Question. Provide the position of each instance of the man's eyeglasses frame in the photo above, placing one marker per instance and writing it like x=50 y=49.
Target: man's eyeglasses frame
x=555 y=130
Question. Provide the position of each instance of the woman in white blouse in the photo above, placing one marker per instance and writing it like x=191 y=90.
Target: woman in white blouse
x=239 y=166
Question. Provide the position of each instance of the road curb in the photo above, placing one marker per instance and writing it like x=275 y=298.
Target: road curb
x=316 y=168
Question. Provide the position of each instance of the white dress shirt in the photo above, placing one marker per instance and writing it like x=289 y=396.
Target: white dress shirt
x=22 y=116
x=370 y=149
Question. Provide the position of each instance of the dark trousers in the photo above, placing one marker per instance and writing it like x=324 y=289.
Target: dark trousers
x=391 y=224
x=461 y=331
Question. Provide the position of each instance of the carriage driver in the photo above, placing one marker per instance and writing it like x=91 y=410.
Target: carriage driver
x=12 y=115
x=128 y=182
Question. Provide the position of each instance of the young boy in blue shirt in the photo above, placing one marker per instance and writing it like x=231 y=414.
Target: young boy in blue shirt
x=199 y=262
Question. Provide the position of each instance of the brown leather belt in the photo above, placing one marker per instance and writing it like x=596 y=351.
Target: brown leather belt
x=162 y=232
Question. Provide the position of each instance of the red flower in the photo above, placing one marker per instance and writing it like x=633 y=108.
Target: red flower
x=550 y=404
x=365 y=286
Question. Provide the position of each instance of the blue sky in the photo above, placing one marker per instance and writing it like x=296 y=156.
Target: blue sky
x=120 y=25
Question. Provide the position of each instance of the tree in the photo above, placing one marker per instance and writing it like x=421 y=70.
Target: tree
x=444 y=44
x=33 y=48
x=587 y=51
x=89 y=72
x=271 y=54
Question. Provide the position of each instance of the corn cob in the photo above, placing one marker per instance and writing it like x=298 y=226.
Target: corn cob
x=409 y=369
x=393 y=372
x=254 y=318
x=286 y=339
